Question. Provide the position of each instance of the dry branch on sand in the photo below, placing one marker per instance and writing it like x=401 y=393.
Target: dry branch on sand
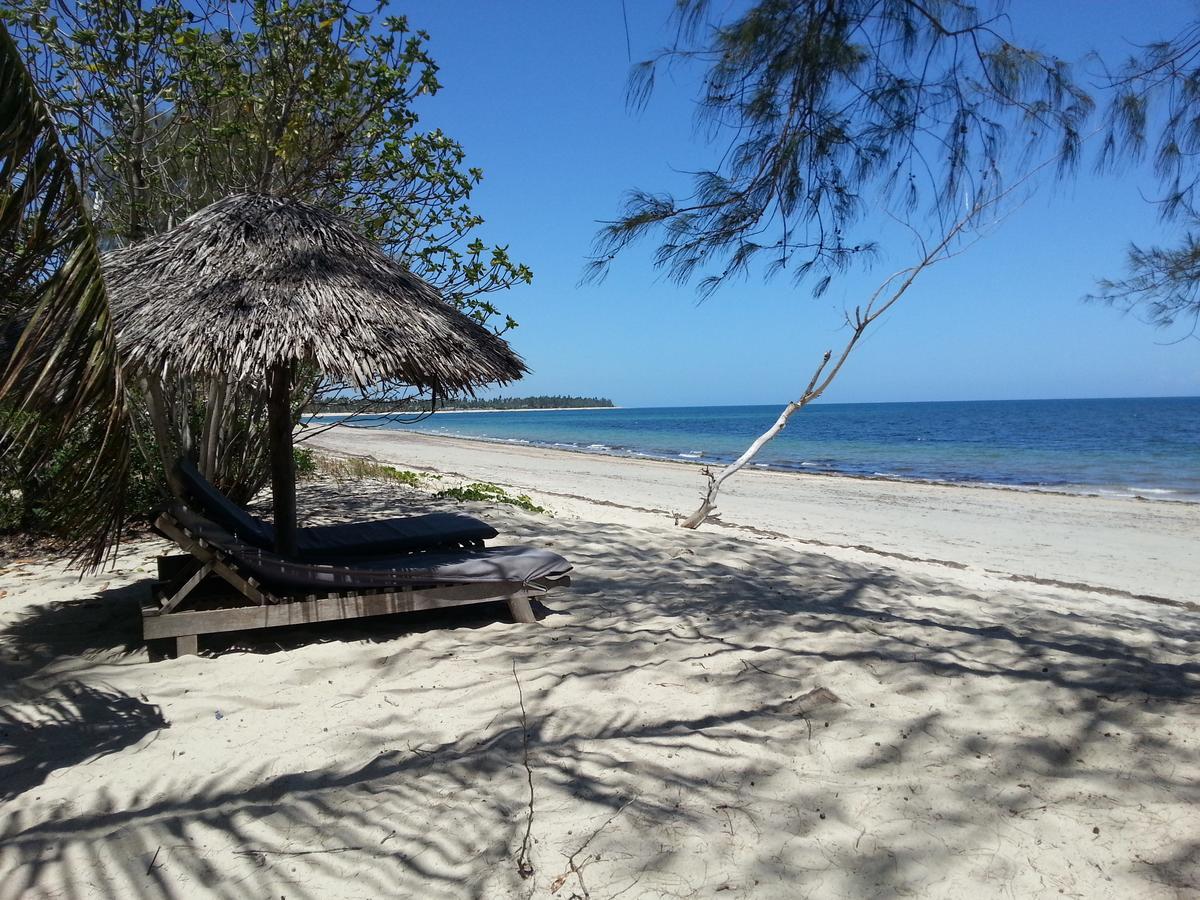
x=860 y=320
x=885 y=297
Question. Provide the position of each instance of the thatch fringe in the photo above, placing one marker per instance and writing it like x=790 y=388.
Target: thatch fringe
x=254 y=281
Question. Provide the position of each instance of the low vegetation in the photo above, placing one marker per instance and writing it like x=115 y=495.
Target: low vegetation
x=310 y=465
x=353 y=468
x=305 y=462
x=36 y=503
x=489 y=493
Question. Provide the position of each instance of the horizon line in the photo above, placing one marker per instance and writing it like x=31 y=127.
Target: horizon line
x=899 y=402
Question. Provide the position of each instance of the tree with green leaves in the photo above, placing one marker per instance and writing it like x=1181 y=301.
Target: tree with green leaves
x=168 y=106
x=1154 y=109
x=831 y=116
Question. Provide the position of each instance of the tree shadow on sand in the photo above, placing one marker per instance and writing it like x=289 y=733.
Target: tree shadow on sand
x=104 y=626
x=670 y=719
x=74 y=724
x=431 y=819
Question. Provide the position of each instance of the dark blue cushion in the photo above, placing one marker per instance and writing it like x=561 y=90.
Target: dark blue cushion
x=384 y=536
x=216 y=506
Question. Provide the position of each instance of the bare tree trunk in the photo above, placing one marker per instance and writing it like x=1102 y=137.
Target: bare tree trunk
x=709 y=503
x=214 y=416
x=233 y=440
x=166 y=442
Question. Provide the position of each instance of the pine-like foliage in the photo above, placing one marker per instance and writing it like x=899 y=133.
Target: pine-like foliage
x=823 y=110
x=1155 y=109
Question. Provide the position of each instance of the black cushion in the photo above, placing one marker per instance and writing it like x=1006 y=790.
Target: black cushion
x=328 y=542
x=385 y=536
x=221 y=509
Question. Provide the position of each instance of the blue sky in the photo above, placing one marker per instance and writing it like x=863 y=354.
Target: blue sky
x=535 y=93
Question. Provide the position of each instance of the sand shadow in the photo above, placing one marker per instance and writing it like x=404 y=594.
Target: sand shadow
x=73 y=724
x=432 y=819
x=370 y=630
x=751 y=628
x=106 y=626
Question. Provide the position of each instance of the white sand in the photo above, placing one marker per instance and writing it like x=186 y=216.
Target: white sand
x=1133 y=546
x=707 y=714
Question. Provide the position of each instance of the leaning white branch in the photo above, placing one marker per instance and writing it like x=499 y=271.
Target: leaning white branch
x=862 y=319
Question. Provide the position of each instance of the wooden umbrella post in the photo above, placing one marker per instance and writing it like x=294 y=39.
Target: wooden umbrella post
x=283 y=466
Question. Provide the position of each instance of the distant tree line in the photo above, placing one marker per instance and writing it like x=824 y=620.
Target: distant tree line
x=409 y=405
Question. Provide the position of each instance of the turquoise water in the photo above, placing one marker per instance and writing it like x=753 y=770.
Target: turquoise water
x=1144 y=447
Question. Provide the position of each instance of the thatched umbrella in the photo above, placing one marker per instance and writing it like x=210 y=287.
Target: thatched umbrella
x=253 y=286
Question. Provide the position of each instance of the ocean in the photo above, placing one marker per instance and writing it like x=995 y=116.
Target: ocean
x=1126 y=447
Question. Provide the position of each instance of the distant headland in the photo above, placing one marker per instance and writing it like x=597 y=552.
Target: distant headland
x=471 y=404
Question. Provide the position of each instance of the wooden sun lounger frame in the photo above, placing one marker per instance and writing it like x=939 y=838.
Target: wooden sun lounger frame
x=162 y=617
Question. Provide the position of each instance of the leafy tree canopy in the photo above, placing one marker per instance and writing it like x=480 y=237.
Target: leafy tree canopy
x=170 y=105
x=129 y=115
x=541 y=401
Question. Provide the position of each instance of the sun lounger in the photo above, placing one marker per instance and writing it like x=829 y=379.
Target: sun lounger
x=240 y=587
x=332 y=543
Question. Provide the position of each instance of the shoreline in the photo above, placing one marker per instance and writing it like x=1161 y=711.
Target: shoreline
x=1097 y=543
x=635 y=456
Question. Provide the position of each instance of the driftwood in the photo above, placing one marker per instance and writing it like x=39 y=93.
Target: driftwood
x=860 y=320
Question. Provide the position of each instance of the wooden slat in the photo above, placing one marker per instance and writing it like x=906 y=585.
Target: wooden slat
x=248 y=587
x=187 y=645
x=156 y=624
x=188 y=586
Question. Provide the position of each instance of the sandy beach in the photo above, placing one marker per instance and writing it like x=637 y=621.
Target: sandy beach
x=849 y=689
x=1125 y=546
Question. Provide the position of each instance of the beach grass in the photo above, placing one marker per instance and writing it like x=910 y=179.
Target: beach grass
x=353 y=468
x=357 y=469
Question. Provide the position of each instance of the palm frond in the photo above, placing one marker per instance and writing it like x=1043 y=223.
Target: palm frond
x=62 y=402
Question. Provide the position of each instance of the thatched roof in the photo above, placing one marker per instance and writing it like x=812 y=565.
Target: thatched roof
x=252 y=281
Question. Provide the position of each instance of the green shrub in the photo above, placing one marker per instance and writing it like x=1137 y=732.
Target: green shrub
x=33 y=505
x=12 y=507
x=305 y=462
x=489 y=493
